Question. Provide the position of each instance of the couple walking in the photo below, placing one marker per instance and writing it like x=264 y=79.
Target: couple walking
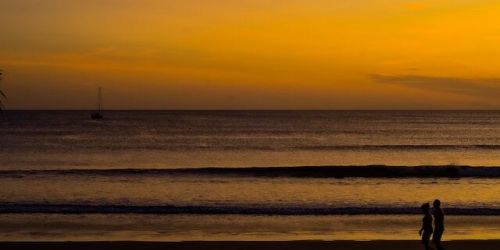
x=427 y=230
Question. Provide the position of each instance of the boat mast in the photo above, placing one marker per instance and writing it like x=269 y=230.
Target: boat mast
x=100 y=100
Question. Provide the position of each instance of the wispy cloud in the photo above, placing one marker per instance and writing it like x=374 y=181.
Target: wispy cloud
x=481 y=87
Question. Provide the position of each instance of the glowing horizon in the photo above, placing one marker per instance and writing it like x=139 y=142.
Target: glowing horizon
x=251 y=54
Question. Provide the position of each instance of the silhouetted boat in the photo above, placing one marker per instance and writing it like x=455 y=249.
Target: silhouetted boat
x=98 y=114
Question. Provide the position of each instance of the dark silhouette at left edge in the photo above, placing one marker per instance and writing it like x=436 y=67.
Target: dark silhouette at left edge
x=2 y=96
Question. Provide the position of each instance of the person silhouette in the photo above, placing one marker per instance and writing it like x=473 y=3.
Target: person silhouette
x=438 y=224
x=426 y=230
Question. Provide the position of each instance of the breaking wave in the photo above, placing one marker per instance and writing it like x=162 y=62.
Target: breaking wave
x=13 y=208
x=370 y=171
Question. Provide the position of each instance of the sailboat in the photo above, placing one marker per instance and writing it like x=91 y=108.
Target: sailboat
x=97 y=115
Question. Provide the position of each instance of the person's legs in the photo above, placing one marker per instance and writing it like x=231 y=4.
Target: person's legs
x=436 y=238
x=425 y=241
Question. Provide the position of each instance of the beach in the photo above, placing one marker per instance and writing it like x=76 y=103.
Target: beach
x=247 y=245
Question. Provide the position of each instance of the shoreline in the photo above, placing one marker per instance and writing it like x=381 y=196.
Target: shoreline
x=246 y=245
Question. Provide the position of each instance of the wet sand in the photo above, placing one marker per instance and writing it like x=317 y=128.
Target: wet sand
x=247 y=245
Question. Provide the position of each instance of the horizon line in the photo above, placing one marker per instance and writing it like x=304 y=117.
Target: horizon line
x=133 y=109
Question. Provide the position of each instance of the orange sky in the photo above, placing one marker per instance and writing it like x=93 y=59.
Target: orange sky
x=251 y=54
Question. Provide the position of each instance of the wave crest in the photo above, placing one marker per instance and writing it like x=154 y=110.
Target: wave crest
x=12 y=208
x=370 y=171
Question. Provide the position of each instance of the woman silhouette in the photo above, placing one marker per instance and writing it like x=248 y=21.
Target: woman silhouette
x=426 y=230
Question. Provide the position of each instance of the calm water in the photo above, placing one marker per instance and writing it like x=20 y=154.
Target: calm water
x=50 y=140
x=62 y=161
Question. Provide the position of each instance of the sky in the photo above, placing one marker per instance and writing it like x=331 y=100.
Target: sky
x=251 y=54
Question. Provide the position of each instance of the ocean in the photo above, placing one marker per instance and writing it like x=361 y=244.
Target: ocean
x=247 y=175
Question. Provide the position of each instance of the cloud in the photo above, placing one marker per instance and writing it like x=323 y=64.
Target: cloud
x=480 y=87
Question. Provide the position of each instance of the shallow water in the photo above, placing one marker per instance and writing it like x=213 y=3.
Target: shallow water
x=234 y=227
x=232 y=194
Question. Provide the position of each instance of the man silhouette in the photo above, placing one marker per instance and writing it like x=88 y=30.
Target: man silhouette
x=438 y=224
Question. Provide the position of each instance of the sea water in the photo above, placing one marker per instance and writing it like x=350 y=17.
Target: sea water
x=159 y=175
